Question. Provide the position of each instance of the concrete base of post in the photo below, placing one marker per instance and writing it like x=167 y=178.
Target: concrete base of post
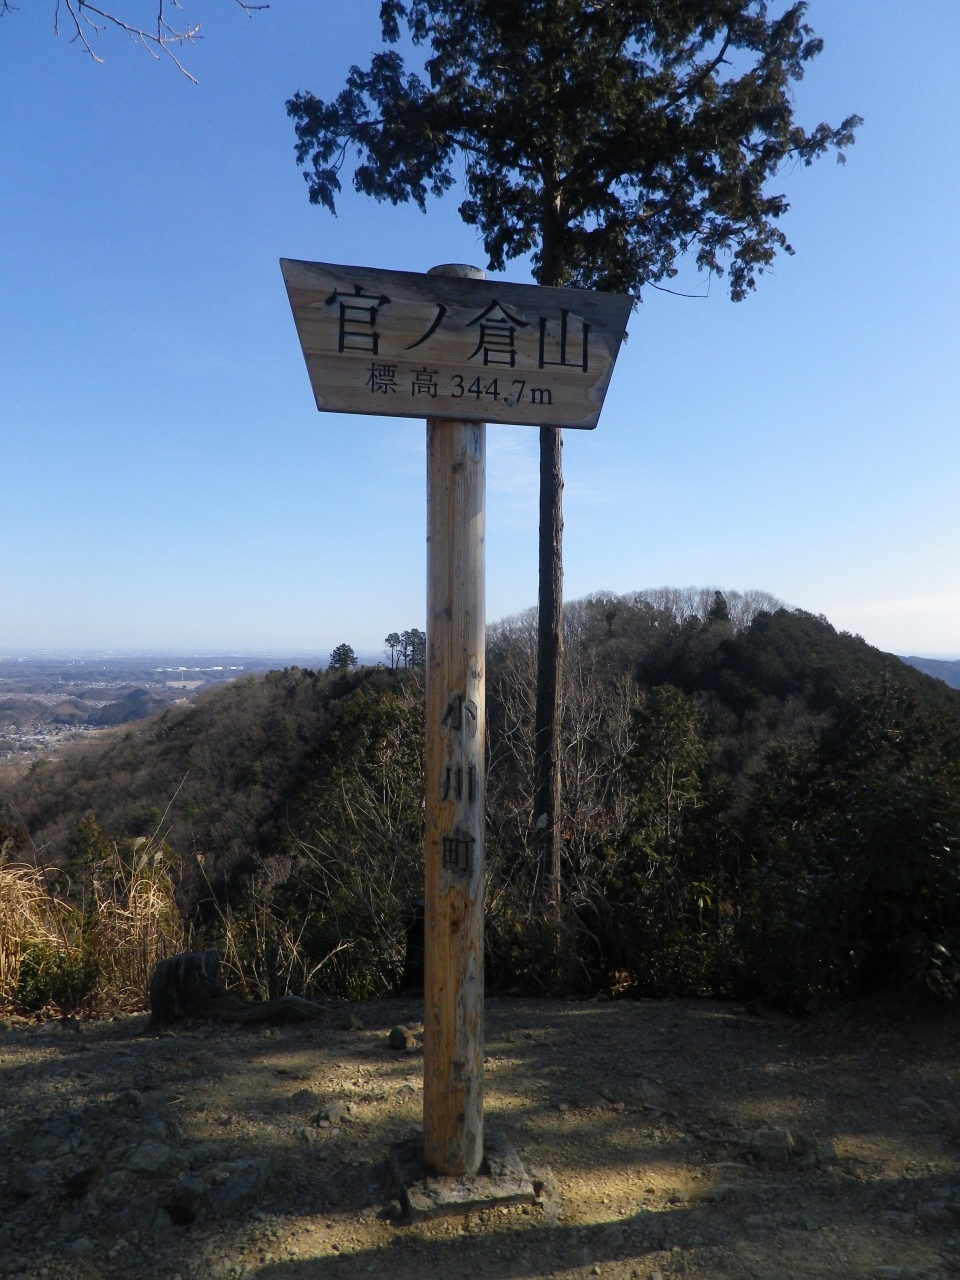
x=501 y=1180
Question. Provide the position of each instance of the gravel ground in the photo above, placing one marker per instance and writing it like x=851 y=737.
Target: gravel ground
x=686 y=1138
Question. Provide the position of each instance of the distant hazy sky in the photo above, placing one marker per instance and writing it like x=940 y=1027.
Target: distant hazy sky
x=166 y=482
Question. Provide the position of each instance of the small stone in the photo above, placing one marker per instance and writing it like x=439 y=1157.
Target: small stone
x=722 y=1191
x=351 y=1023
x=888 y=1273
x=332 y=1113
x=81 y=1246
x=149 y=1157
x=803 y=1144
x=934 y=1211
x=656 y=1275
x=219 y=1189
x=826 y=1153
x=894 y=1218
x=544 y=1183
x=586 y=1099
x=404 y=1039
x=773 y=1145
x=640 y=1093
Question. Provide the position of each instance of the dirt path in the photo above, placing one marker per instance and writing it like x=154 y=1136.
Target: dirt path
x=197 y=1154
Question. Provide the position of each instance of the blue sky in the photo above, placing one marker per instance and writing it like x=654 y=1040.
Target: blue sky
x=167 y=482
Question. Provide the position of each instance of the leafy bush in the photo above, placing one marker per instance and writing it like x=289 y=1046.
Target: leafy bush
x=332 y=919
x=855 y=843
x=65 y=977
x=143 y=821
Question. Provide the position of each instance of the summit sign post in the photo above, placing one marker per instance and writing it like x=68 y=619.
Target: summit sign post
x=400 y=344
x=460 y=351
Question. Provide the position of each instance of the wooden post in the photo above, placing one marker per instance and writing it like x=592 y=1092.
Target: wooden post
x=394 y=342
x=454 y=849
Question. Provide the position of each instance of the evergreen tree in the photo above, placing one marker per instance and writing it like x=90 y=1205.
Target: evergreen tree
x=418 y=648
x=342 y=658
x=604 y=138
x=718 y=612
x=392 y=641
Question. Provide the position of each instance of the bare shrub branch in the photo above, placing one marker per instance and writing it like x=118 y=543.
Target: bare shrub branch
x=161 y=38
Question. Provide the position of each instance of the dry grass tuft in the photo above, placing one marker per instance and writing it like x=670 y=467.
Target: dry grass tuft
x=65 y=950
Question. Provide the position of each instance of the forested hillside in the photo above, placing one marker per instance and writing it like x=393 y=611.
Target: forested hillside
x=753 y=804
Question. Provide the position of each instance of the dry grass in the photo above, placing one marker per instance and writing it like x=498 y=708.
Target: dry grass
x=27 y=920
x=66 y=950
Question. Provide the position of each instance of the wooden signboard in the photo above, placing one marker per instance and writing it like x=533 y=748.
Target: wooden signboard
x=460 y=351
x=400 y=344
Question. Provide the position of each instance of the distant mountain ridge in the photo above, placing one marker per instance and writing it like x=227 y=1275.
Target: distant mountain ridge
x=234 y=769
x=948 y=672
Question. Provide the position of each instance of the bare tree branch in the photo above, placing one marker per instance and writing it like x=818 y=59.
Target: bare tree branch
x=86 y=20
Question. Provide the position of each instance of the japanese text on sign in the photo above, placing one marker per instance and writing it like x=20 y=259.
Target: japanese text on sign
x=400 y=344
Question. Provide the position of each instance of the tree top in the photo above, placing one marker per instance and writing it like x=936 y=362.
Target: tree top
x=607 y=138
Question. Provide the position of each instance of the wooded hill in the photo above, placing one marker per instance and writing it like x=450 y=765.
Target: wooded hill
x=753 y=803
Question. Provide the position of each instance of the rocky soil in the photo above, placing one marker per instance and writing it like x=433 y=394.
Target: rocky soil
x=687 y=1139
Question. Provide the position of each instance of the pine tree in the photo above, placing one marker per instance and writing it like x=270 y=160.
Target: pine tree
x=342 y=658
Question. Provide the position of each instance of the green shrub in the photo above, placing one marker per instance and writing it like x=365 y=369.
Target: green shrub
x=333 y=922
x=142 y=821
x=49 y=975
x=855 y=844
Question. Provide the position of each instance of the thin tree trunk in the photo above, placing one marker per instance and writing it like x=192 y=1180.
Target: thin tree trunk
x=550 y=613
x=549 y=662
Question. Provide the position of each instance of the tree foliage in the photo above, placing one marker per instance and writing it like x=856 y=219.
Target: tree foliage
x=604 y=137
x=664 y=766
x=393 y=642
x=855 y=843
x=342 y=658
x=332 y=921
x=753 y=804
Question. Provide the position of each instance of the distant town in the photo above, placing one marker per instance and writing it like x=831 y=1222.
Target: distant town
x=48 y=703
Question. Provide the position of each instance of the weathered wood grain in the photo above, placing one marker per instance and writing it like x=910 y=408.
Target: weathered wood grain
x=401 y=344
x=454 y=849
